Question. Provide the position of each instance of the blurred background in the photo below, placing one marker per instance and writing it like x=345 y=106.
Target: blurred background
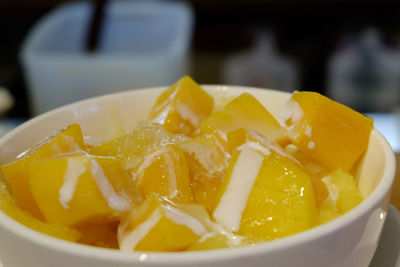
x=53 y=52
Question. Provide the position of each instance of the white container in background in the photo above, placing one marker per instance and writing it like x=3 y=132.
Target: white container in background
x=144 y=43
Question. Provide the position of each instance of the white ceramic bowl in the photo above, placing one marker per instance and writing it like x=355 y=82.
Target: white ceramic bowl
x=350 y=240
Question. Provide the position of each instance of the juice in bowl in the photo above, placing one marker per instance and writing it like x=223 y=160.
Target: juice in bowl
x=215 y=176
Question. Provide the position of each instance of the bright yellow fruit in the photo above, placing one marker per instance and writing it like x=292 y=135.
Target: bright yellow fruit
x=243 y=112
x=265 y=195
x=315 y=170
x=241 y=136
x=9 y=206
x=219 y=240
x=68 y=140
x=182 y=107
x=208 y=161
x=135 y=146
x=213 y=241
x=100 y=236
x=82 y=190
x=165 y=172
x=161 y=225
x=305 y=160
x=344 y=193
x=329 y=132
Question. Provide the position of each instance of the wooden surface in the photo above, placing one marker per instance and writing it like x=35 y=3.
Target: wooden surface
x=396 y=186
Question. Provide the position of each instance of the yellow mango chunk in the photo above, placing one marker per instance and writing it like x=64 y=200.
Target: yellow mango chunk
x=67 y=140
x=9 y=206
x=243 y=112
x=135 y=146
x=165 y=172
x=241 y=136
x=332 y=134
x=315 y=170
x=305 y=160
x=265 y=195
x=161 y=225
x=182 y=107
x=100 y=236
x=208 y=161
x=82 y=190
x=213 y=241
x=344 y=195
x=219 y=239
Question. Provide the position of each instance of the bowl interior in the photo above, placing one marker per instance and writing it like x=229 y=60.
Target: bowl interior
x=105 y=117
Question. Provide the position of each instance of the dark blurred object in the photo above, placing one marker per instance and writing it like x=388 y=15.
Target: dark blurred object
x=95 y=26
x=261 y=66
x=365 y=74
x=307 y=30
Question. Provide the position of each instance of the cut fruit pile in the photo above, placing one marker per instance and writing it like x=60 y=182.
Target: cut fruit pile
x=193 y=179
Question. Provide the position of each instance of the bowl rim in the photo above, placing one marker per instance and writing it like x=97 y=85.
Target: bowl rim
x=71 y=248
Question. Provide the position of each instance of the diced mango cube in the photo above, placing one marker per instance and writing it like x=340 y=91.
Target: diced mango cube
x=67 y=140
x=182 y=107
x=315 y=170
x=212 y=241
x=241 y=136
x=82 y=190
x=219 y=240
x=243 y=112
x=305 y=160
x=265 y=195
x=9 y=206
x=135 y=146
x=165 y=172
x=208 y=161
x=331 y=133
x=344 y=195
x=161 y=225
x=100 y=236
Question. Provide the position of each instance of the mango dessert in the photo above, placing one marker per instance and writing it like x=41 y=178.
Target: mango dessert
x=9 y=206
x=182 y=107
x=82 y=190
x=67 y=140
x=133 y=147
x=165 y=172
x=243 y=112
x=332 y=134
x=265 y=195
x=194 y=176
x=161 y=225
x=343 y=195
x=208 y=161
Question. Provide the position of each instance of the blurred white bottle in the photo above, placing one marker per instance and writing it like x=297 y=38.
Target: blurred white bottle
x=365 y=75
x=261 y=66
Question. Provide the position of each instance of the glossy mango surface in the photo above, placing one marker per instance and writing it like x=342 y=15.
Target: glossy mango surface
x=243 y=112
x=182 y=107
x=68 y=140
x=161 y=225
x=332 y=134
x=165 y=172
